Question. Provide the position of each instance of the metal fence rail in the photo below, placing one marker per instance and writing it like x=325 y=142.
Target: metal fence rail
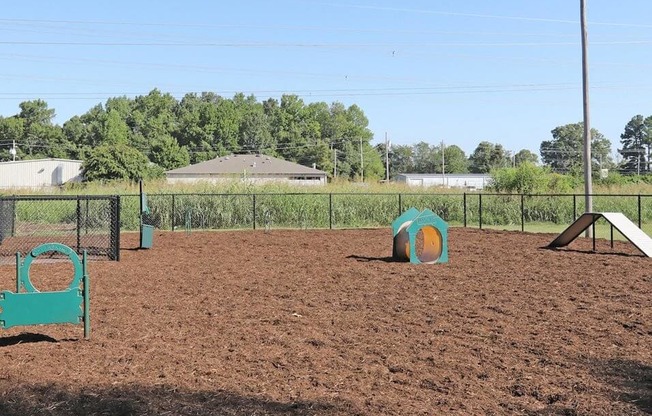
x=83 y=222
x=525 y=212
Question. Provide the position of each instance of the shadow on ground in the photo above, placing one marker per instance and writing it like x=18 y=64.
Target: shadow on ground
x=368 y=259
x=134 y=400
x=25 y=338
x=597 y=252
x=631 y=381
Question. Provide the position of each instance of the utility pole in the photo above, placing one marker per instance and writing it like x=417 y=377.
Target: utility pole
x=386 y=158
x=12 y=151
x=334 y=163
x=588 y=186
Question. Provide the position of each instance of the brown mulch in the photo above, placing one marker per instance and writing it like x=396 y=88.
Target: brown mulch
x=325 y=323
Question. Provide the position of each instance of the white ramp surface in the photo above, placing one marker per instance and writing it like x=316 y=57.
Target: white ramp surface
x=630 y=231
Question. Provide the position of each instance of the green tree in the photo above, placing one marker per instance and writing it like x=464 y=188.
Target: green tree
x=41 y=138
x=563 y=154
x=401 y=159
x=167 y=153
x=424 y=158
x=111 y=162
x=149 y=117
x=455 y=161
x=488 y=156
x=254 y=134
x=636 y=141
x=525 y=156
x=11 y=129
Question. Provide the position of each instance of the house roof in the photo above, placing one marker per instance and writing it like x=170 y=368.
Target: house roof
x=253 y=165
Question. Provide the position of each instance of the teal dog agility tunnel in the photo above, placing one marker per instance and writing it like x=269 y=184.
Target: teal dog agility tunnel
x=420 y=237
x=29 y=306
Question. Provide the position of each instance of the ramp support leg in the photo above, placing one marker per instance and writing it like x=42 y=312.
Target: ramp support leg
x=593 y=233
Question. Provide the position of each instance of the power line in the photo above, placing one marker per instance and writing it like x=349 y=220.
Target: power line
x=316 y=45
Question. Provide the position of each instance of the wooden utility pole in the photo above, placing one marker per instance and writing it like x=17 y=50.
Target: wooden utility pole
x=588 y=186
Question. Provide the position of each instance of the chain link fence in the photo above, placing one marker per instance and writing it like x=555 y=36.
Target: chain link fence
x=90 y=223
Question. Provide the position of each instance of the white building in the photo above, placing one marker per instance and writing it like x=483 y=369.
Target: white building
x=39 y=173
x=253 y=168
x=471 y=181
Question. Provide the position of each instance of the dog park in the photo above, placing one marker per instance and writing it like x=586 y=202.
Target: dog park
x=328 y=322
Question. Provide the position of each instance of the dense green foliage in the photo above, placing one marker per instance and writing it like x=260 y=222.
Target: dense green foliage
x=563 y=154
x=637 y=144
x=528 y=178
x=166 y=133
x=171 y=133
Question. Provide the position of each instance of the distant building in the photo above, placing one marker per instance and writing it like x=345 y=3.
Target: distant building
x=471 y=181
x=39 y=173
x=254 y=168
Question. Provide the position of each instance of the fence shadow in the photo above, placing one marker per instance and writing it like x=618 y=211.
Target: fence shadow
x=599 y=253
x=55 y=400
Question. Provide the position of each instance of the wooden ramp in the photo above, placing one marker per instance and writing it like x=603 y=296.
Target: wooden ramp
x=628 y=229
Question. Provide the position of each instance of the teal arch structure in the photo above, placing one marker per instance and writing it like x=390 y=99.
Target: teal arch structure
x=434 y=232
x=29 y=306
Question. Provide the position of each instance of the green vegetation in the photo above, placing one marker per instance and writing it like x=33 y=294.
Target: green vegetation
x=346 y=205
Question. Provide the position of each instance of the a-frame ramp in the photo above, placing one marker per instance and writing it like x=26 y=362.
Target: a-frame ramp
x=620 y=222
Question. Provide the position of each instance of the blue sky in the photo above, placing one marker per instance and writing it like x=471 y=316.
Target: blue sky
x=440 y=70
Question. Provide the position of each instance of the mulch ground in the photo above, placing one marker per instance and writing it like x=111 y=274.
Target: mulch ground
x=325 y=323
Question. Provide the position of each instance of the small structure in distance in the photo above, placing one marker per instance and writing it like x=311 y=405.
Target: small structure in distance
x=39 y=173
x=470 y=181
x=255 y=168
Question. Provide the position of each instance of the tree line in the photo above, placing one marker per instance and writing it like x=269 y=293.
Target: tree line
x=142 y=137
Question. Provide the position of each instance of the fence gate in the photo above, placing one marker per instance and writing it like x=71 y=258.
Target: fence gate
x=84 y=222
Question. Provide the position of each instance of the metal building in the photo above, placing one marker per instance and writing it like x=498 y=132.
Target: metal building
x=39 y=173
x=471 y=181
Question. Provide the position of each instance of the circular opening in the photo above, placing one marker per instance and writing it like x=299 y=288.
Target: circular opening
x=50 y=276
x=428 y=244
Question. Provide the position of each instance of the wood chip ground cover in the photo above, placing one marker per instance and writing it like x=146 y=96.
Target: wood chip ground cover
x=325 y=323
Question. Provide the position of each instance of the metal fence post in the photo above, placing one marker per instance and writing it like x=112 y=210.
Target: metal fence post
x=173 y=213
x=480 y=210
x=522 y=212
x=464 y=203
x=116 y=228
x=639 y=210
x=254 y=206
x=574 y=207
x=330 y=210
x=78 y=223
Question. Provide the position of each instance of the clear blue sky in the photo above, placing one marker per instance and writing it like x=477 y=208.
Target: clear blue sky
x=505 y=71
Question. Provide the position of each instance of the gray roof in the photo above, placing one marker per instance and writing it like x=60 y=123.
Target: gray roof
x=253 y=165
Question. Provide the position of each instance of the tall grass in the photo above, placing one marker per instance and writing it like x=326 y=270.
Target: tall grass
x=234 y=205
